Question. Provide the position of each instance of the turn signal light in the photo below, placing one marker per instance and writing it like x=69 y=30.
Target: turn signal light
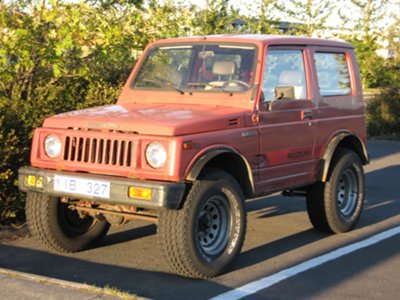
x=139 y=193
x=188 y=145
x=33 y=181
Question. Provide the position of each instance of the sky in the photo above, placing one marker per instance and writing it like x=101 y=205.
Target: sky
x=333 y=21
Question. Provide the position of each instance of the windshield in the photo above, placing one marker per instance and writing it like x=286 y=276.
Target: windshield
x=197 y=67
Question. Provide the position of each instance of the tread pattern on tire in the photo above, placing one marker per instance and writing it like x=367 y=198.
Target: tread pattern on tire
x=176 y=252
x=41 y=224
x=322 y=213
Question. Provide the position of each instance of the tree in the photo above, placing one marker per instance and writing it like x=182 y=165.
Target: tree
x=54 y=57
x=365 y=21
x=365 y=16
x=164 y=19
x=393 y=37
x=213 y=19
x=57 y=56
x=108 y=3
x=264 y=19
x=310 y=15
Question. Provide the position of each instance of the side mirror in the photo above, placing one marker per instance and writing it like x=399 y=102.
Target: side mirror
x=262 y=96
x=282 y=92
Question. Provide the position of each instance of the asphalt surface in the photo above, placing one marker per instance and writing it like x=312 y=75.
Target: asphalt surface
x=25 y=286
x=279 y=236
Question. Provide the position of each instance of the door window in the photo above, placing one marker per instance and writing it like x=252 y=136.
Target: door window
x=284 y=75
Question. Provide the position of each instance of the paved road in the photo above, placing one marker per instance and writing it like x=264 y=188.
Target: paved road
x=279 y=236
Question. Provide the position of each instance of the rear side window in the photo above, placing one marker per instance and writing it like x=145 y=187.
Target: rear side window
x=333 y=74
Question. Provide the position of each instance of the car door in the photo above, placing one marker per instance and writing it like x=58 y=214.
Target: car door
x=286 y=120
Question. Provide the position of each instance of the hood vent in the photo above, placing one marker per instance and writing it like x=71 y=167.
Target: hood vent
x=233 y=122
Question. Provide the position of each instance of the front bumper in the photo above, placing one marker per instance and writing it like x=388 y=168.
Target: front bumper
x=164 y=194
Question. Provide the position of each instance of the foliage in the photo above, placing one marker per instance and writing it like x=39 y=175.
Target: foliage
x=311 y=15
x=60 y=55
x=393 y=37
x=213 y=19
x=264 y=21
x=365 y=38
x=370 y=13
x=371 y=64
x=382 y=113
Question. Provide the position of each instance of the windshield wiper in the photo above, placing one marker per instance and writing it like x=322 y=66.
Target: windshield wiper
x=166 y=83
x=210 y=85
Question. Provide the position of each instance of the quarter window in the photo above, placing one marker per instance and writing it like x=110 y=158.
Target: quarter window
x=333 y=74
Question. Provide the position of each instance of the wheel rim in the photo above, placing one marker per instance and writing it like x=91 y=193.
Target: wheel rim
x=213 y=225
x=71 y=223
x=347 y=192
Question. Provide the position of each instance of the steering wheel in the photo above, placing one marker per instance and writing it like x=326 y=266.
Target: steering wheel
x=239 y=82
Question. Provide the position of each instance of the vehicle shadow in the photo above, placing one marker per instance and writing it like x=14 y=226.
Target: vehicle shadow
x=382 y=202
x=275 y=205
x=128 y=235
x=149 y=284
x=265 y=207
x=378 y=207
x=382 y=196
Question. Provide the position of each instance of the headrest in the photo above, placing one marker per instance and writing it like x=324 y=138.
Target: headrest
x=223 y=68
x=291 y=77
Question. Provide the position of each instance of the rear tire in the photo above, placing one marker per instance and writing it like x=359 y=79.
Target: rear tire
x=60 y=228
x=202 y=238
x=336 y=205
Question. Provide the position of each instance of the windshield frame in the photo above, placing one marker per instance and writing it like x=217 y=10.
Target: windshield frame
x=187 y=89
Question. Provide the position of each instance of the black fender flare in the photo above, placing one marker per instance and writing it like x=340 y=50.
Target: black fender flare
x=201 y=161
x=331 y=148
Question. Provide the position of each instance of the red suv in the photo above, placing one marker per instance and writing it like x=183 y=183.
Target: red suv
x=202 y=124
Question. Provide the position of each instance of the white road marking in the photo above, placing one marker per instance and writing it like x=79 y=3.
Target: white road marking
x=263 y=283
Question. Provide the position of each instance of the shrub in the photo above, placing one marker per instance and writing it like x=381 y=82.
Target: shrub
x=383 y=113
x=52 y=59
x=57 y=56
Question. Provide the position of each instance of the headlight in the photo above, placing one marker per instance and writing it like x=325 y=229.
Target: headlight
x=156 y=155
x=52 y=146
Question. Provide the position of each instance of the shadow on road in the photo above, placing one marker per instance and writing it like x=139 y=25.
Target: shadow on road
x=382 y=196
x=152 y=284
x=379 y=206
x=275 y=205
x=382 y=202
x=276 y=248
x=129 y=235
x=349 y=272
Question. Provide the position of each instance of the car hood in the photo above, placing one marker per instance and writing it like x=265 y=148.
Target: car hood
x=151 y=119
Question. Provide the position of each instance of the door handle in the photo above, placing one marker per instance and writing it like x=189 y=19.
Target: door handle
x=306 y=115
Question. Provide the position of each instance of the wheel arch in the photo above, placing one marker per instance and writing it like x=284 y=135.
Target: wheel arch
x=226 y=159
x=342 y=140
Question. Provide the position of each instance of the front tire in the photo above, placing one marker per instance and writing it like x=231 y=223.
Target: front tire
x=60 y=228
x=336 y=205
x=202 y=238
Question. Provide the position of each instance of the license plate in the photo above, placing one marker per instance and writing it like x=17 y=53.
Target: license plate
x=81 y=186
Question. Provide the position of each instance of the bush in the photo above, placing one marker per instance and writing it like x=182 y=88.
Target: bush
x=57 y=56
x=52 y=59
x=383 y=113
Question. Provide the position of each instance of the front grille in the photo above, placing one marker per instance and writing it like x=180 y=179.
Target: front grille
x=105 y=151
